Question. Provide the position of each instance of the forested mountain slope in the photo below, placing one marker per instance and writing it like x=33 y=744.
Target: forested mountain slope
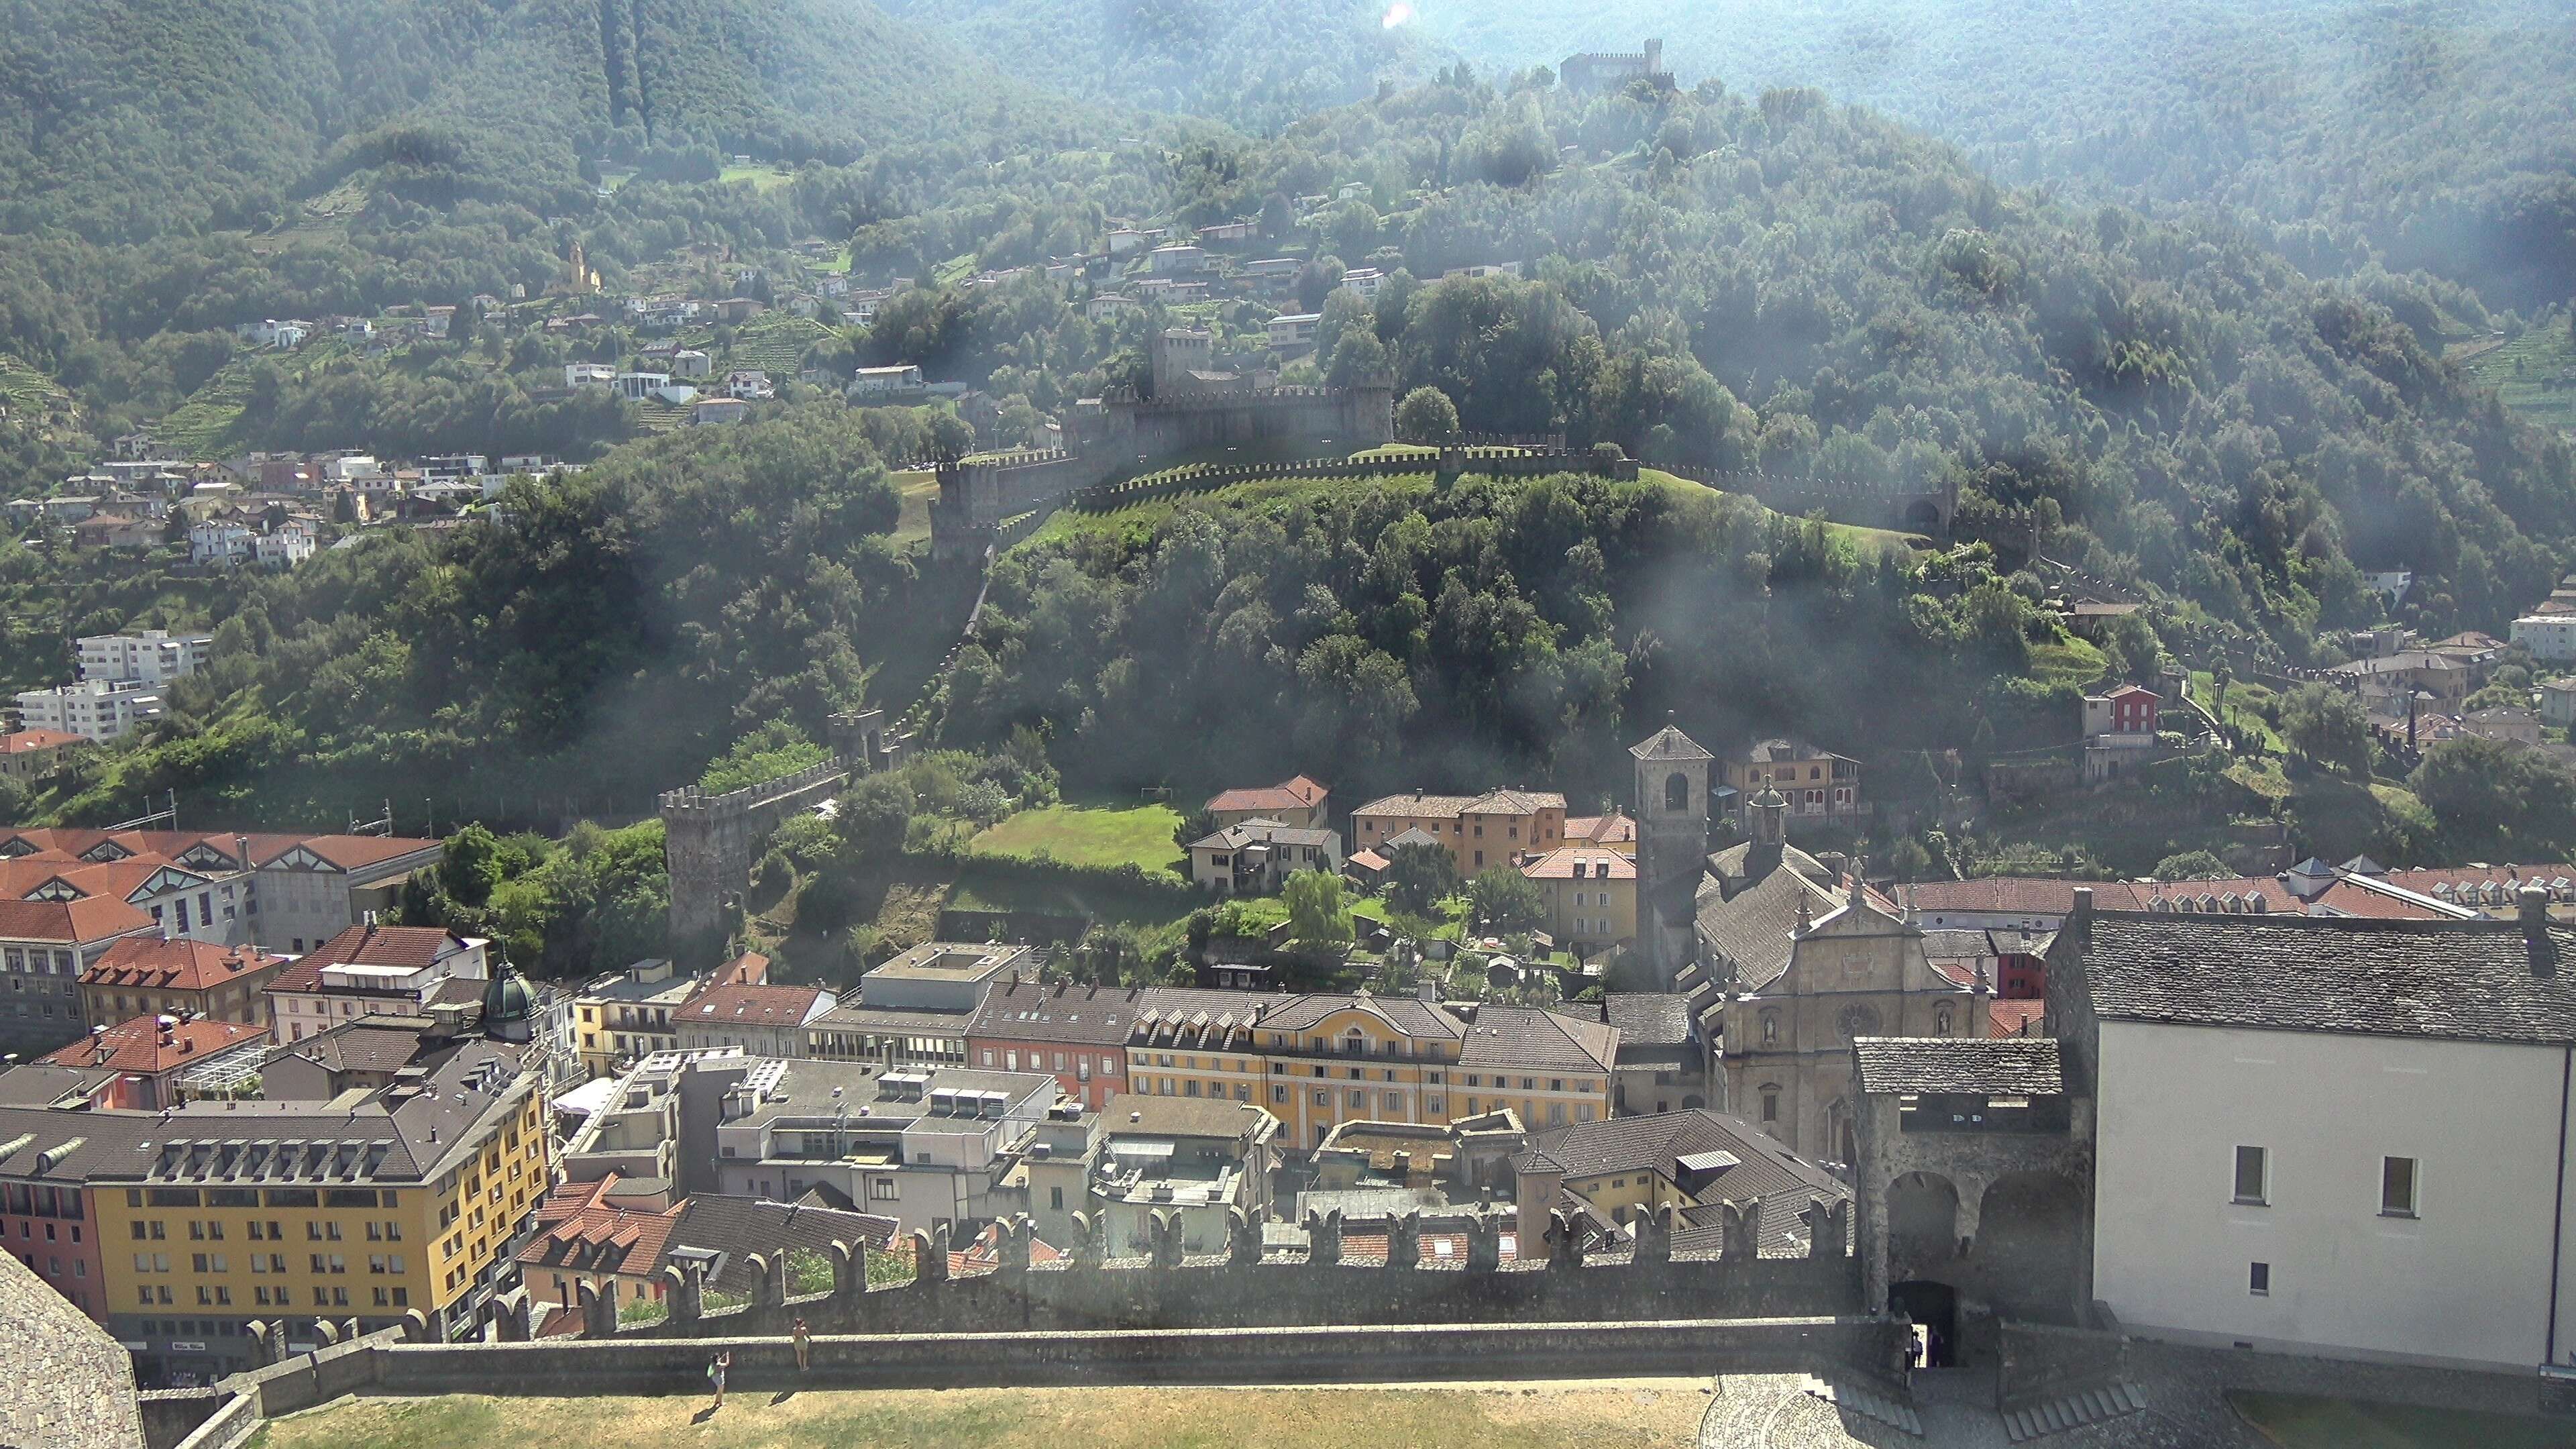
x=2439 y=132
x=1256 y=63
x=125 y=118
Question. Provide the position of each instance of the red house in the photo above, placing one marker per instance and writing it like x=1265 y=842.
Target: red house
x=1079 y=1033
x=2127 y=710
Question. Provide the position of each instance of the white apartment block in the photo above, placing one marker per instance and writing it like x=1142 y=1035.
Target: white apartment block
x=2551 y=638
x=95 y=709
x=149 y=656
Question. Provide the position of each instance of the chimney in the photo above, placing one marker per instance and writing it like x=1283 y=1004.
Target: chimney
x=2543 y=949
x=2081 y=918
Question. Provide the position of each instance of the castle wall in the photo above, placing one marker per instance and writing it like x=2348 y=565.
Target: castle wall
x=707 y=840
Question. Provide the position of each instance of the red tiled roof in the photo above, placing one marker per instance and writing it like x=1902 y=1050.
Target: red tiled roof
x=1611 y=829
x=363 y=945
x=180 y=965
x=748 y=969
x=1560 y=864
x=136 y=1046
x=19 y=742
x=759 y=1005
x=1297 y=793
x=2008 y=1017
x=96 y=918
x=114 y=879
x=2016 y=895
x=354 y=852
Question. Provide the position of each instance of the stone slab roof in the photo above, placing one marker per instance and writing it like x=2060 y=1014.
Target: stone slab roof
x=2463 y=980
x=2013 y=1067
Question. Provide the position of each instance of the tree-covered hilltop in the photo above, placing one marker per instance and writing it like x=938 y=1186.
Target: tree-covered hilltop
x=1259 y=64
x=610 y=634
x=1443 y=633
x=2433 y=135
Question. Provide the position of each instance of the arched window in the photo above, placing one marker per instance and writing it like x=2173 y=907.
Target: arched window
x=1677 y=791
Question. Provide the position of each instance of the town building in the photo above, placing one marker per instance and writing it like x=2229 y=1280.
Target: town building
x=1297 y=801
x=917 y=1008
x=93 y=709
x=625 y=1016
x=876 y=382
x=1494 y=828
x=765 y=1021
x=2119 y=731
x=636 y=1130
x=2388 y=682
x=1191 y=1157
x=29 y=754
x=616 y=1235
x=1076 y=1033
x=2550 y=638
x=1316 y=1061
x=2558 y=703
x=1822 y=788
x=2282 y=1156
x=1620 y=1169
x=1256 y=857
x=1665 y=1062
x=372 y=969
x=162 y=1061
x=45 y=946
x=1590 y=895
x=148 y=975
x=311 y=888
x=1614 y=831
x=147 y=656
x=216 y=1214
x=924 y=1148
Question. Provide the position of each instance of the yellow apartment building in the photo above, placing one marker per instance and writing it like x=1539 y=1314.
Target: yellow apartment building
x=1317 y=1061
x=1591 y=896
x=223 y=1214
x=1495 y=828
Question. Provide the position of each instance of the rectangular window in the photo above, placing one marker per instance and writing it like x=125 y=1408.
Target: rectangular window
x=2258 y=1280
x=2251 y=1163
x=2397 y=1187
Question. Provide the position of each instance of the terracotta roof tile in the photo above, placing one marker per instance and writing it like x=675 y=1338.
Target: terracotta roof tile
x=1597 y=864
x=749 y=1005
x=93 y=919
x=136 y=1046
x=180 y=965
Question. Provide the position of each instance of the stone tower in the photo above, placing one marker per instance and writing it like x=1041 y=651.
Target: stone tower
x=1178 y=353
x=1672 y=847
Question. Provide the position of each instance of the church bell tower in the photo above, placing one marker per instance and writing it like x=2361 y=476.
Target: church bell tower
x=1672 y=847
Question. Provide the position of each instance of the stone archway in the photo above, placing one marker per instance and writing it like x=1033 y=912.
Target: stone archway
x=1922 y=1224
x=2030 y=1245
x=1923 y=515
x=1935 y=1306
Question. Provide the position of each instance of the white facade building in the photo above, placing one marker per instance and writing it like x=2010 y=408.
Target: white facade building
x=219 y=543
x=2551 y=638
x=2332 y=1136
x=96 y=709
x=151 y=656
x=289 y=546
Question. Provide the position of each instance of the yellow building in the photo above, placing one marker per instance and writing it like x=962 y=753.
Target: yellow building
x=229 y=1213
x=1320 y=1060
x=1495 y=828
x=1591 y=896
x=624 y=1017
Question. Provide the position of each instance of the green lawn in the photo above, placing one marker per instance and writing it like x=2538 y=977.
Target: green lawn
x=2535 y=373
x=762 y=178
x=2070 y=661
x=1096 y=835
x=2300 y=1421
x=1630 y=1414
x=2245 y=699
x=917 y=489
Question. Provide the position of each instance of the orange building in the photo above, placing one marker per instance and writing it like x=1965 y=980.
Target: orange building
x=1495 y=828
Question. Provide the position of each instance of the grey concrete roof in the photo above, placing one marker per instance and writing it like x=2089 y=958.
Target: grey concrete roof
x=1648 y=1018
x=1056 y=1012
x=2004 y=1067
x=2466 y=980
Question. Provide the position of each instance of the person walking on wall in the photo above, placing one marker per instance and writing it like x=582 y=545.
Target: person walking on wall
x=716 y=1375
x=804 y=1347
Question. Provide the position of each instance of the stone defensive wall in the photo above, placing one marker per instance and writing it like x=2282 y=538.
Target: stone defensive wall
x=1875 y=505
x=707 y=839
x=391 y=1363
x=1208 y=477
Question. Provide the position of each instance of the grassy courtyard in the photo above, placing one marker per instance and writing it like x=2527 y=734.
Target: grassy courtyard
x=2301 y=1421
x=1633 y=1414
x=1090 y=835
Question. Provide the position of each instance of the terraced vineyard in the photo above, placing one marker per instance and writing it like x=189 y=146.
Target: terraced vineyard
x=2534 y=373
x=776 y=343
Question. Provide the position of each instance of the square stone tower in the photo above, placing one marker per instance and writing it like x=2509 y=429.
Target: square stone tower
x=1672 y=848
